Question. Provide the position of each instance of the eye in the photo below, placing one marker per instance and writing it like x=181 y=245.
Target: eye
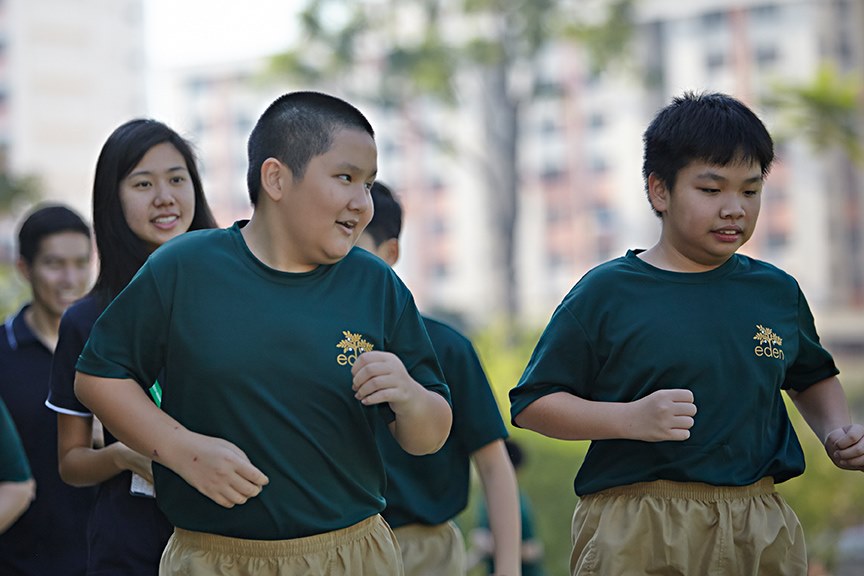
x=344 y=177
x=141 y=184
x=368 y=186
x=178 y=179
x=751 y=193
x=710 y=190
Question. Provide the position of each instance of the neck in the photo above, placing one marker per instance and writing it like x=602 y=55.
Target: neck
x=266 y=239
x=44 y=325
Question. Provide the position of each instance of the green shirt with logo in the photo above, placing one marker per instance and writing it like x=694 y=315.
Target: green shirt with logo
x=263 y=358
x=735 y=336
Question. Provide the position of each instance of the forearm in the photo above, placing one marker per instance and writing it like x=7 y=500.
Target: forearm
x=568 y=417
x=823 y=406
x=15 y=498
x=125 y=410
x=423 y=427
x=502 y=504
x=78 y=462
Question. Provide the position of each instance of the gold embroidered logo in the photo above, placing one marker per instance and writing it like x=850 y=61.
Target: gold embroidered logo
x=352 y=346
x=769 y=343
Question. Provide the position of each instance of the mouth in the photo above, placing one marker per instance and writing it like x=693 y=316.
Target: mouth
x=165 y=221
x=348 y=225
x=728 y=234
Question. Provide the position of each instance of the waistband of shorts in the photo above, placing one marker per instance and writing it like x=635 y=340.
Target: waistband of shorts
x=272 y=548
x=418 y=530
x=690 y=490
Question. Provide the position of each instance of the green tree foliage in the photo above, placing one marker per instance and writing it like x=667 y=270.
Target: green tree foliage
x=496 y=43
x=826 y=111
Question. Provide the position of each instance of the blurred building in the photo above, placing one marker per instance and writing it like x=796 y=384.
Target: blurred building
x=582 y=197
x=70 y=72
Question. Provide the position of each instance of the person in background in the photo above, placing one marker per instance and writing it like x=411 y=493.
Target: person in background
x=146 y=191
x=482 y=543
x=672 y=361
x=54 y=258
x=424 y=494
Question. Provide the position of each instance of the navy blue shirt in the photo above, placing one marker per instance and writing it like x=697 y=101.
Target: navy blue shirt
x=50 y=537
x=126 y=533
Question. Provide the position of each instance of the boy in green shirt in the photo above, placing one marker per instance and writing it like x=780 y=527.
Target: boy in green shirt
x=642 y=341
x=425 y=494
x=278 y=347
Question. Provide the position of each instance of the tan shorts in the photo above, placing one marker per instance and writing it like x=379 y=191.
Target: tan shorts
x=432 y=550
x=672 y=528
x=367 y=548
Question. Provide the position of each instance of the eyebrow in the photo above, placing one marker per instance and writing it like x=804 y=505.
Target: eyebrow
x=718 y=178
x=147 y=172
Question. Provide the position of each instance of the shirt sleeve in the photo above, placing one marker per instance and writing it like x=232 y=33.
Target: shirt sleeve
x=562 y=361
x=410 y=342
x=813 y=363
x=13 y=461
x=61 y=388
x=476 y=417
x=130 y=337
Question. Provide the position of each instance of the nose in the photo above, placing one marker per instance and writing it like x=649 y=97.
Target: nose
x=732 y=208
x=164 y=195
x=362 y=200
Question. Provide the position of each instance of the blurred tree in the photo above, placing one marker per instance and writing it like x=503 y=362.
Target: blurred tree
x=16 y=190
x=825 y=110
x=828 y=111
x=433 y=50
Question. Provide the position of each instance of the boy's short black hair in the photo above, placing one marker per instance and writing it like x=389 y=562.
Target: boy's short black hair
x=386 y=220
x=711 y=127
x=295 y=128
x=45 y=220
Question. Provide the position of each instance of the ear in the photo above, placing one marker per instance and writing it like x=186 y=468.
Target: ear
x=658 y=193
x=23 y=268
x=275 y=178
x=389 y=251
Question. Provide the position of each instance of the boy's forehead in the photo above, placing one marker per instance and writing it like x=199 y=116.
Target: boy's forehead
x=739 y=165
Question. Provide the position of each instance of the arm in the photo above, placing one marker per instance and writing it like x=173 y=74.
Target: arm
x=15 y=498
x=502 y=503
x=662 y=415
x=823 y=406
x=81 y=464
x=423 y=417
x=216 y=468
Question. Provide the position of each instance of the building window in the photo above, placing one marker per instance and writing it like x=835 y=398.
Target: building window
x=714 y=20
x=766 y=55
x=714 y=61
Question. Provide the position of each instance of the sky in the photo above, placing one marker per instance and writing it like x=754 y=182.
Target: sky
x=190 y=32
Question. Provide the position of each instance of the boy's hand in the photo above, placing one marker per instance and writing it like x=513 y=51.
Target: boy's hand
x=219 y=470
x=381 y=377
x=662 y=415
x=845 y=447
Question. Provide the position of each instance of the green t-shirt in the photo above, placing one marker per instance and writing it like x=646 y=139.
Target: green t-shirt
x=735 y=336
x=263 y=359
x=13 y=461
x=434 y=488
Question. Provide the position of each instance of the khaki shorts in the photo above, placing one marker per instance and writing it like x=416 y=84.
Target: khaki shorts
x=672 y=528
x=432 y=550
x=367 y=548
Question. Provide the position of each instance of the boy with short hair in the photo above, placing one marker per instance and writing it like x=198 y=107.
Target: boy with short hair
x=641 y=341
x=425 y=494
x=54 y=258
x=278 y=347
